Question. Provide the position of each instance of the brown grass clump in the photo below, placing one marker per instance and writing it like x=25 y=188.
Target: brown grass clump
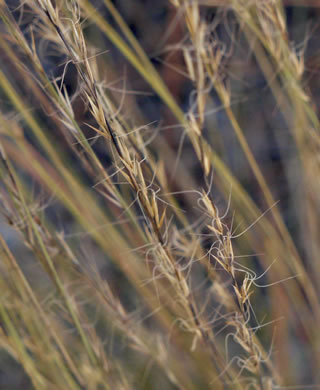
x=119 y=267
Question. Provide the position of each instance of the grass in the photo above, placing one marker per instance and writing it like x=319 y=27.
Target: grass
x=162 y=255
